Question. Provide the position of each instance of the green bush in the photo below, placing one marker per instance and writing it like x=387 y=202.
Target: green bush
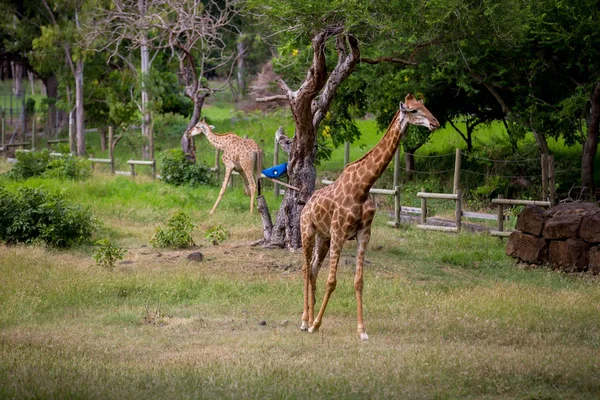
x=177 y=234
x=107 y=254
x=29 y=164
x=38 y=215
x=40 y=163
x=216 y=234
x=176 y=169
x=69 y=167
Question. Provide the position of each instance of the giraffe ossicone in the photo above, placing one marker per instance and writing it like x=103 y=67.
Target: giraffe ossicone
x=344 y=210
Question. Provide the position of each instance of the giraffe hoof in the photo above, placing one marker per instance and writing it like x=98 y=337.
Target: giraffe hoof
x=304 y=327
x=364 y=336
x=312 y=329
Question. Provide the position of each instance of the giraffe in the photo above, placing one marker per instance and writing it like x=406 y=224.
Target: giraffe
x=344 y=211
x=241 y=155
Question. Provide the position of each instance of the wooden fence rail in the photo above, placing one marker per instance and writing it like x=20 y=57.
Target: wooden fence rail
x=445 y=196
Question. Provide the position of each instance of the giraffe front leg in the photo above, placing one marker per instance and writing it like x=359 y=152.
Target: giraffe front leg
x=363 y=240
x=322 y=248
x=334 y=256
x=228 y=170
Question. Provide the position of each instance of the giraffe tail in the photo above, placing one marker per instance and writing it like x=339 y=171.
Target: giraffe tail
x=258 y=163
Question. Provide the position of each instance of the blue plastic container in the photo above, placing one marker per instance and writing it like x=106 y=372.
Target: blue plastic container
x=276 y=171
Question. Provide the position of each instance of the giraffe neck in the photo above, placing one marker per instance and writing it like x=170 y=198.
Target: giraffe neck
x=218 y=141
x=366 y=170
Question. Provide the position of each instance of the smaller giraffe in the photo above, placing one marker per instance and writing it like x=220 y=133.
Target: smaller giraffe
x=239 y=154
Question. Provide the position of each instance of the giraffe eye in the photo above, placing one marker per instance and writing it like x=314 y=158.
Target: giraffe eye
x=412 y=111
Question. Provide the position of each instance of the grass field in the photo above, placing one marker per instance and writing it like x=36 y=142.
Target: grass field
x=448 y=316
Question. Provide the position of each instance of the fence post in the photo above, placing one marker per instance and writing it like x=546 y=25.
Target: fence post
x=552 y=180
x=544 y=162
x=458 y=210
x=111 y=150
x=397 y=206
x=500 y=214
x=423 y=208
x=132 y=169
x=346 y=153
x=276 y=162
x=457 y=163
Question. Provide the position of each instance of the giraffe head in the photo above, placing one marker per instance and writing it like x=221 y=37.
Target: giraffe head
x=201 y=127
x=416 y=113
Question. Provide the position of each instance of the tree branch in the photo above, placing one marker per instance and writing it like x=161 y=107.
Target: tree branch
x=387 y=59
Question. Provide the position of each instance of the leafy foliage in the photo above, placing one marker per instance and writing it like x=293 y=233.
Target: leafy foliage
x=216 y=234
x=40 y=163
x=107 y=254
x=177 y=234
x=178 y=170
x=36 y=214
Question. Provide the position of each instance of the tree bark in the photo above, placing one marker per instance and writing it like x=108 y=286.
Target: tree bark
x=590 y=146
x=309 y=106
x=409 y=161
x=17 y=71
x=79 y=113
x=51 y=84
x=187 y=143
x=241 y=49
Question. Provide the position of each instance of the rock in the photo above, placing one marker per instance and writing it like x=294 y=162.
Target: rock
x=572 y=208
x=195 y=256
x=590 y=228
x=263 y=323
x=562 y=227
x=528 y=248
x=570 y=255
x=531 y=220
x=594 y=262
x=285 y=322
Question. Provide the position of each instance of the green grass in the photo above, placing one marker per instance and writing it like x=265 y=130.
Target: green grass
x=449 y=316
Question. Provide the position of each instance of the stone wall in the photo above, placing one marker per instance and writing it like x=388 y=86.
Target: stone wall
x=566 y=236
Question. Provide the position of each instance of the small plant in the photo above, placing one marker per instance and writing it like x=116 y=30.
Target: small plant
x=216 y=234
x=108 y=254
x=177 y=170
x=177 y=234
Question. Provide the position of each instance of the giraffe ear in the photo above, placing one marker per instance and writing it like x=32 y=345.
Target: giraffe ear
x=211 y=127
x=403 y=106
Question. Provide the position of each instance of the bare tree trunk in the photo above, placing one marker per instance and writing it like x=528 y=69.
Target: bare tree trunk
x=309 y=106
x=145 y=69
x=51 y=84
x=591 y=143
x=79 y=114
x=409 y=161
x=31 y=82
x=241 y=50
x=17 y=71
x=187 y=143
x=540 y=139
x=102 y=132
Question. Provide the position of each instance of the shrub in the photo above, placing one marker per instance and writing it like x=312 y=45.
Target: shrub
x=177 y=234
x=69 y=167
x=107 y=254
x=216 y=234
x=39 y=163
x=36 y=214
x=30 y=164
x=176 y=169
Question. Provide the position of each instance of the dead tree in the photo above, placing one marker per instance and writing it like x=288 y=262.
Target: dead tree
x=309 y=105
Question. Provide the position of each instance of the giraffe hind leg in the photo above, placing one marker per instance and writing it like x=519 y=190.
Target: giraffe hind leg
x=308 y=244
